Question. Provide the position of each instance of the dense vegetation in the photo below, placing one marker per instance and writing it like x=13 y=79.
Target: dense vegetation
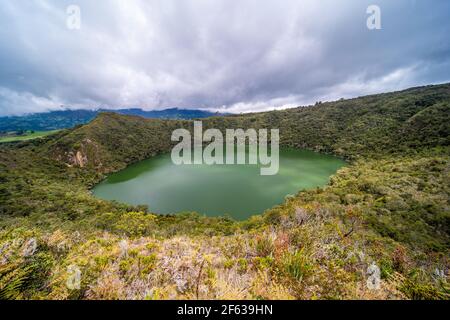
x=390 y=208
x=64 y=119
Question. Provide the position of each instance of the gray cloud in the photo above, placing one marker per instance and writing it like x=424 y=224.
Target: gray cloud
x=229 y=55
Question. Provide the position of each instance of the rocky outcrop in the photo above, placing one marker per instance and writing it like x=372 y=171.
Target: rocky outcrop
x=86 y=154
x=78 y=159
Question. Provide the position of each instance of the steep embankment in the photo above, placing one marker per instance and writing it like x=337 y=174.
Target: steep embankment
x=389 y=209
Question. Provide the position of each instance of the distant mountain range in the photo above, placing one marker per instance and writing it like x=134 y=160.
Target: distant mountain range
x=54 y=120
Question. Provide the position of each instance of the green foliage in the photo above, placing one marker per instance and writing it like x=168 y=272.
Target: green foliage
x=135 y=224
x=264 y=246
x=296 y=265
x=12 y=281
x=418 y=290
x=390 y=205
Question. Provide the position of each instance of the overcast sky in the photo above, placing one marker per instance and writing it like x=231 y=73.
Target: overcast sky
x=230 y=55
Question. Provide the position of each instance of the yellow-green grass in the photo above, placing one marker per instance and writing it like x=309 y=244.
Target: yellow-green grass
x=27 y=136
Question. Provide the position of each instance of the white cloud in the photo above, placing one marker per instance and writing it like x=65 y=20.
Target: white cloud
x=258 y=106
x=239 y=56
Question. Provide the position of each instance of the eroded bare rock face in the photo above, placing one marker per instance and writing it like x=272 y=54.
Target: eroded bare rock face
x=84 y=156
x=79 y=159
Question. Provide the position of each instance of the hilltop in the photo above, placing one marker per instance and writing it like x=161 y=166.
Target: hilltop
x=389 y=207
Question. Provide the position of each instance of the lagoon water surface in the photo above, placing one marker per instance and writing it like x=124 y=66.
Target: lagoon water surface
x=216 y=190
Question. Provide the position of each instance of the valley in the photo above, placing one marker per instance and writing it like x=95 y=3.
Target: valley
x=24 y=135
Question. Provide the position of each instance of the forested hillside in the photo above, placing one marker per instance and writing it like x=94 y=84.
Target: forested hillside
x=390 y=207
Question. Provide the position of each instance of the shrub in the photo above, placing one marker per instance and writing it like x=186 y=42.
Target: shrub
x=264 y=246
x=296 y=265
x=136 y=224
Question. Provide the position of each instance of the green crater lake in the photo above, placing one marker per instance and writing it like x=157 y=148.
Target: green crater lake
x=216 y=190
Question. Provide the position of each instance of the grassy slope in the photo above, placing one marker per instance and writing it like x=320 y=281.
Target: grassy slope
x=390 y=207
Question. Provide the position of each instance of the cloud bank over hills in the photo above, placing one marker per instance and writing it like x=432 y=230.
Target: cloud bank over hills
x=215 y=55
